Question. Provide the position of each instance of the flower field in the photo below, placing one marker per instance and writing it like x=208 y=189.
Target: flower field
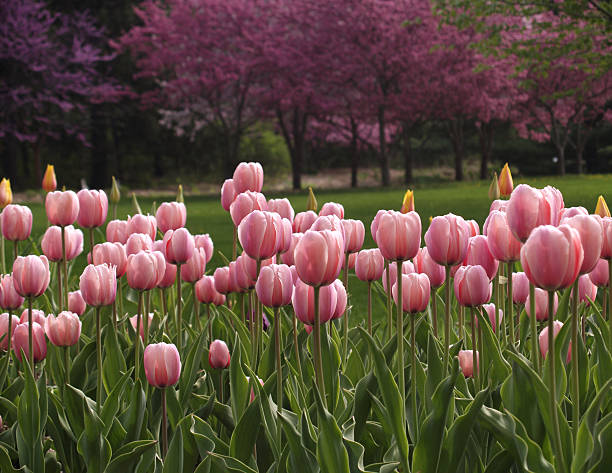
x=290 y=335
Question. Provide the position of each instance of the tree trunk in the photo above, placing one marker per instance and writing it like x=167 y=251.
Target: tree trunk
x=99 y=151
x=455 y=129
x=561 y=163
x=485 y=136
x=408 y=156
x=37 y=165
x=385 y=173
x=295 y=139
x=354 y=154
x=11 y=153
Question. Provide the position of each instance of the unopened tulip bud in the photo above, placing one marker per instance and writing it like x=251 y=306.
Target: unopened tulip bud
x=494 y=188
x=179 y=194
x=218 y=355
x=49 y=182
x=543 y=340
x=135 y=204
x=76 y=303
x=38 y=316
x=21 y=341
x=134 y=323
x=466 y=362
x=311 y=203
x=601 y=208
x=6 y=195
x=505 y=182
x=4 y=329
x=162 y=364
x=16 y=222
x=115 y=195
x=408 y=202
x=63 y=330
x=10 y=298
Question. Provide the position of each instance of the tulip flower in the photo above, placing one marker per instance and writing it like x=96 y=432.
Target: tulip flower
x=6 y=195
x=447 y=239
x=494 y=192
x=415 y=294
x=52 y=243
x=311 y=202
x=494 y=318
x=505 y=182
x=303 y=221
x=93 y=208
x=472 y=286
x=137 y=323
x=218 y=355
x=248 y=177
x=228 y=194
x=222 y=280
x=49 y=182
x=140 y=223
x=466 y=362
x=407 y=268
x=171 y=216
x=282 y=207
x=76 y=303
x=8 y=323
x=408 y=202
x=554 y=205
x=245 y=203
x=117 y=231
x=274 y=285
x=520 y=288
x=573 y=211
x=38 y=316
x=478 y=254
x=399 y=235
x=16 y=221
x=304 y=305
x=286 y=236
x=502 y=243
x=318 y=257
x=332 y=208
x=162 y=365
x=288 y=257
x=260 y=234
x=63 y=330
x=205 y=242
x=544 y=340
x=138 y=242
x=587 y=291
x=590 y=229
x=526 y=210
x=601 y=208
x=30 y=338
x=600 y=274
x=10 y=299
x=369 y=265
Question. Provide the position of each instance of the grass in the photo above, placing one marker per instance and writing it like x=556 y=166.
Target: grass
x=469 y=199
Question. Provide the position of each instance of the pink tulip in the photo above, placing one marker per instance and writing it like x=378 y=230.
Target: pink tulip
x=162 y=364
x=498 y=204
x=590 y=229
x=407 y=268
x=51 y=243
x=169 y=277
x=228 y=194
x=38 y=316
x=303 y=221
x=466 y=362
x=502 y=243
x=282 y=207
x=218 y=355
x=369 y=265
x=303 y=302
x=600 y=275
x=520 y=288
x=9 y=297
x=138 y=242
x=205 y=241
x=552 y=256
x=473 y=227
x=145 y=270
x=205 y=290
x=98 y=284
x=31 y=275
x=318 y=257
x=21 y=341
x=375 y=222
x=171 y=216
x=62 y=207
x=76 y=303
x=472 y=286
x=354 y=234
x=4 y=329
x=219 y=299
x=423 y=264
x=134 y=323
x=399 y=235
x=351 y=261
x=117 y=231
x=328 y=222
x=179 y=246
x=478 y=254
x=16 y=222
x=139 y=223
x=447 y=239
x=341 y=299
x=93 y=208
x=248 y=177
x=415 y=292
x=606 y=249
x=526 y=210
x=555 y=204
x=245 y=203
x=222 y=280
x=288 y=257
x=294 y=274
x=285 y=238
x=113 y=254
x=195 y=267
x=274 y=286
x=541 y=304
x=260 y=234
x=63 y=330
x=587 y=291
x=332 y=208
x=573 y=211
x=494 y=319
x=308 y=328
x=543 y=340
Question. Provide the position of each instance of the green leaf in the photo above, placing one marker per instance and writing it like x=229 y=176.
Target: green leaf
x=134 y=416
x=128 y=455
x=189 y=373
x=361 y=403
x=92 y=444
x=232 y=464
x=604 y=439
x=174 y=458
x=6 y=466
x=28 y=414
x=114 y=363
x=331 y=452
x=245 y=434
x=435 y=371
x=79 y=371
x=301 y=458
x=500 y=368
x=113 y=402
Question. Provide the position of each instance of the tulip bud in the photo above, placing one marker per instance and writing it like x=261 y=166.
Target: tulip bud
x=10 y=298
x=31 y=275
x=602 y=208
x=218 y=355
x=408 y=202
x=21 y=341
x=494 y=188
x=76 y=303
x=63 y=330
x=49 y=182
x=179 y=194
x=543 y=340
x=505 y=182
x=115 y=195
x=98 y=284
x=4 y=329
x=311 y=203
x=6 y=195
x=466 y=362
x=162 y=364
x=135 y=204
x=134 y=323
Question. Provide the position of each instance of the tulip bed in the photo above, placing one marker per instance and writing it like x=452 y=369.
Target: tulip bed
x=259 y=366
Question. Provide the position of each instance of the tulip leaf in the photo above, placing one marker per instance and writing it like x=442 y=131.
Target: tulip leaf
x=134 y=416
x=602 y=456
x=190 y=369
x=92 y=444
x=267 y=417
x=6 y=466
x=128 y=455
x=500 y=367
x=245 y=434
x=28 y=414
x=114 y=363
x=240 y=328
x=435 y=371
x=239 y=386
x=173 y=462
x=361 y=404
x=79 y=371
x=113 y=402
x=301 y=458
x=604 y=361
x=232 y=464
x=331 y=452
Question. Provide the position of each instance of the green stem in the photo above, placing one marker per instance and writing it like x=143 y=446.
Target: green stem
x=209 y=323
x=400 y=341
x=413 y=387
x=559 y=460
x=64 y=269
x=461 y=312
x=99 y=359
x=575 y=380
x=502 y=326
x=121 y=313
x=3 y=253
x=474 y=350
x=164 y=426
x=234 y=243
x=67 y=364
x=91 y=242
x=610 y=300
x=179 y=309
x=259 y=317
x=279 y=368
x=389 y=306
x=345 y=316
x=137 y=338
x=317 y=347
x=370 y=307
x=196 y=309
x=295 y=345
x=434 y=312
x=251 y=311
x=164 y=301
x=60 y=295
x=447 y=320
x=145 y=322
x=510 y=310
x=114 y=307
x=535 y=354
x=9 y=334
x=30 y=338
x=15 y=255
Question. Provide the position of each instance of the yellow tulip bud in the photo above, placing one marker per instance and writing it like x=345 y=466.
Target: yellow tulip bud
x=49 y=182
x=602 y=208
x=136 y=204
x=494 y=188
x=115 y=195
x=506 y=186
x=408 y=202
x=6 y=195
x=311 y=203
x=179 y=194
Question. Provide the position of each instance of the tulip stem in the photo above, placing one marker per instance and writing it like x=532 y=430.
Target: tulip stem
x=609 y=299
x=210 y=339
x=259 y=317
x=164 y=301
x=30 y=338
x=317 y=347
x=196 y=309
x=447 y=319
x=137 y=338
x=121 y=313
x=475 y=364
x=414 y=377
x=370 y=307
x=250 y=311
x=234 y=243
x=145 y=322
x=115 y=315
x=400 y=341
x=3 y=253
x=67 y=364
x=510 y=310
x=91 y=242
x=434 y=312
x=535 y=355
x=279 y=368
x=9 y=335
x=60 y=295
x=556 y=441
x=179 y=308
x=99 y=358
x=461 y=313
x=389 y=306
x=346 y=319
x=164 y=426
x=15 y=255
x=295 y=345
x=575 y=380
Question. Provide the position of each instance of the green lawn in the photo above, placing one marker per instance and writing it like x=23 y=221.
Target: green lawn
x=205 y=214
